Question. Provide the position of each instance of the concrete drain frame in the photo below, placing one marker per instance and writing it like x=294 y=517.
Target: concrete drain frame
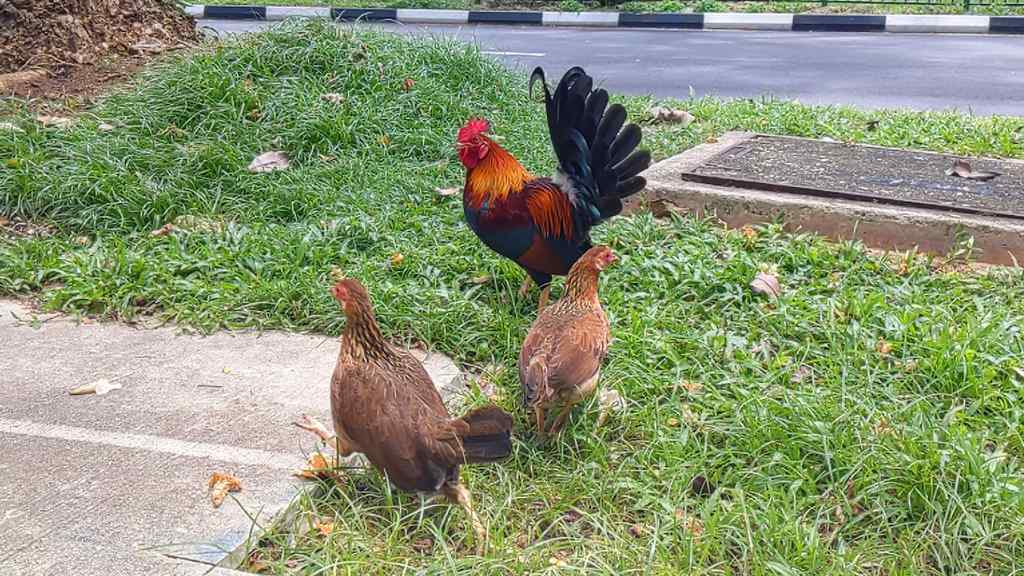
x=694 y=182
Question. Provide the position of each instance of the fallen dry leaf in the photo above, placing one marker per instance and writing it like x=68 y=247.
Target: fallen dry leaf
x=691 y=524
x=269 y=162
x=671 y=115
x=104 y=127
x=482 y=279
x=672 y=422
x=99 y=388
x=384 y=140
x=333 y=97
x=318 y=468
x=163 y=230
x=882 y=427
x=800 y=374
x=55 y=121
x=220 y=484
x=691 y=386
x=423 y=545
x=13 y=163
x=638 y=530
x=609 y=401
x=324 y=528
x=448 y=191
x=82 y=240
x=749 y=232
x=767 y=284
x=407 y=84
x=397 y=259
x=962 y=168
x=883 y=347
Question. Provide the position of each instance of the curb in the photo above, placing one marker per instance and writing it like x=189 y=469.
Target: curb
x=997 y=240
x=925 y=23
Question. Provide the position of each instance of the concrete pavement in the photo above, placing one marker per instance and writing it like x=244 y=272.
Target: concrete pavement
x=116 y=484
x=972 y=73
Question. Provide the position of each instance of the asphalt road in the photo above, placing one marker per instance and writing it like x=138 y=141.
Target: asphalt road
x=979 y=73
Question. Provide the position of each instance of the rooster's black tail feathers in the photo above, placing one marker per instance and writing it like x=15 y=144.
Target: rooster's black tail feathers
x=596 y=149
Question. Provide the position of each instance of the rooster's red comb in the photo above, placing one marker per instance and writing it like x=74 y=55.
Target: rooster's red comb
x=473 y=128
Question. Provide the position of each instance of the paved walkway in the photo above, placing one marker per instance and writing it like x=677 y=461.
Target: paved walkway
x=116 y=484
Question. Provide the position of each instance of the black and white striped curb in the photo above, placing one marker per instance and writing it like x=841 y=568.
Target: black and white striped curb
x=706 y=21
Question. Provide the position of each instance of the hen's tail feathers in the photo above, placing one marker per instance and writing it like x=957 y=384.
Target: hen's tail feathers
x=594 y=145
x=486 y=434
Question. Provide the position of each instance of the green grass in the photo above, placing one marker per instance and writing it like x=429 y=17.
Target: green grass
x=996 y=8
x=829 y=457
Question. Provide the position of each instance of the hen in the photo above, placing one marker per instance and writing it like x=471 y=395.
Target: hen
x=385 y=406
x=544 y=224
x=561 y=357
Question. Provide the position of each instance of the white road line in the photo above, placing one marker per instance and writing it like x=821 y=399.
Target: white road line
x=221 y=452
x=496 y=53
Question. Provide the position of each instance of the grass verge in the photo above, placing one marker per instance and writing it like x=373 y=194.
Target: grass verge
x=868 y=422
x=652 y=6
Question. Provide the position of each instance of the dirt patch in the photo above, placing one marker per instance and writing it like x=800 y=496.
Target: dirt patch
x=78 y=82
x=54 y=48
x=20 y=228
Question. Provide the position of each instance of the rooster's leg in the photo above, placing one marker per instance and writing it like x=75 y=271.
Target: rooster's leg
x=458 y=494
x=524 y=288
x=544 y=297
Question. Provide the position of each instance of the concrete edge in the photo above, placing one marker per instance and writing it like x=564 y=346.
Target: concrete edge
x=998 y=240
x=896 y=23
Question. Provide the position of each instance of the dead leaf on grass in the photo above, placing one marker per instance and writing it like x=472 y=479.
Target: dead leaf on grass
x=444 y=192
x=220 y=484
x=638 y=530
x=323 y=527
x=99 y=388
x=962 y=168
x=692 y=387
x=407 y=84
x=883 y=347
x=803 y=372
x=691 y=524
x=397 y=259
x=269 y=162
x=671 y=115
x=104 y=127
x=749 y=233
x=767 y=284
x=332 y=97
x=482 y=279
x=163 y=230
x=423 y=545
x=318 y=468
x=55 y=121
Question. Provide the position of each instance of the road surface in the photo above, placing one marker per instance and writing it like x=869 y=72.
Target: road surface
x=979 y=73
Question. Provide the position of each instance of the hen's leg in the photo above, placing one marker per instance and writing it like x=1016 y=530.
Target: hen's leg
x=544 y=297
x=556 y=427
x=538 y=414
x=311 y=424
x=458 y=494
x=524 y=288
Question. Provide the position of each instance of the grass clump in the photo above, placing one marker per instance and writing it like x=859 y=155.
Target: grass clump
x=868 y=422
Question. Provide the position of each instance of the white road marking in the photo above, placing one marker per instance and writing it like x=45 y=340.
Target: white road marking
x=221 y=452
x=496 y=53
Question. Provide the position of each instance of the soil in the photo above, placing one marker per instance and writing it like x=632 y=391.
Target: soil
x=54 y=48
x=870 y=172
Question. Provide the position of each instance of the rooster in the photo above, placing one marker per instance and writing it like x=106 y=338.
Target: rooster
x=543 y=224
x=561 y=357
x=385 y=406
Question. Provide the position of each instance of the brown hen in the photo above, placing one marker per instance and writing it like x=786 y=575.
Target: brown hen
x=561 y=357
x=385 y=406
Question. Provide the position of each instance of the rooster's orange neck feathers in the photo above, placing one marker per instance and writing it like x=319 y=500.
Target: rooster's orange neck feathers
x=496 y=176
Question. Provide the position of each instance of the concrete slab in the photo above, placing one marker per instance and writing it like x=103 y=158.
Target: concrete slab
x=996 y=240
x=116 y=484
